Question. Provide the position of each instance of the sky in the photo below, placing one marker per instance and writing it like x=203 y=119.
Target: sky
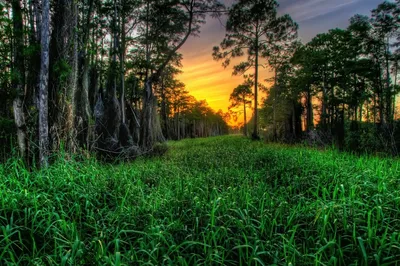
x=207 y=79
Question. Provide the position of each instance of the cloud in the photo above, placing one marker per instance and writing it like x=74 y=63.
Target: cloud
x=311 y=9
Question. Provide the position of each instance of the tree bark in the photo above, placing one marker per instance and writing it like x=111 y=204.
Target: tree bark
x=18 y=79
x=73 y=77
x=43 y=88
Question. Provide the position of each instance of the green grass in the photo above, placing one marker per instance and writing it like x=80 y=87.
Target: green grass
x=224 y=200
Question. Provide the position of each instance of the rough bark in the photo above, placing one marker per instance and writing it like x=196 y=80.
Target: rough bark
x=18 y=80
x=150 y=129
x=73 y=77
x=63 y=75
x=43 y=88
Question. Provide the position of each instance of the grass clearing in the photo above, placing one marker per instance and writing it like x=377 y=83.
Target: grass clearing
x=224 y=200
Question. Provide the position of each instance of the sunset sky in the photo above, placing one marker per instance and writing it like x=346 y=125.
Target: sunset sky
x=207 y=79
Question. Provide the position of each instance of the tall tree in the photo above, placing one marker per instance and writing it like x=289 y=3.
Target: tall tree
x=247 y=28
x=18 y=76
x=385 y=25
x=43 y=86
x=63 y=75
x=281 y=47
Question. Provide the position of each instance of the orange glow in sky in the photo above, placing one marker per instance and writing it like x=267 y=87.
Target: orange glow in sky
x=205 y=78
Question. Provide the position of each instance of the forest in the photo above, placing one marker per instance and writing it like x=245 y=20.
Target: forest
x=107 y=158
x=99 y=76
x=338 y=89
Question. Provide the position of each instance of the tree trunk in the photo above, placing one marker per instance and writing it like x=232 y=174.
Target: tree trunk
x=274 y=106
x=122 y=66
x=324 y=103
x=82 y=101
x=394 y=96
x=294 y=120
x=34 y=58
x=18 y=79
x=245 y=117
x=310 y=124
x=164 y=110
x=388 y=93
x=43 y=88
x=73 y=78
x=255 y=129
x=63 y=75
x=150 y=129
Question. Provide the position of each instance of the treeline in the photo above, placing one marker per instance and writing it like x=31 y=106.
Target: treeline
x=340 y=88
x=98 y=75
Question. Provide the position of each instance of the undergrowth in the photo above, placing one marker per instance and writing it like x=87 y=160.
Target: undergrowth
x=217 y=201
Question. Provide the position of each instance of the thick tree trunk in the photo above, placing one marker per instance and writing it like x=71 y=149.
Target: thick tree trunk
x=18 y=79
x=43 y=88
x=150 y=129
x=62 y=94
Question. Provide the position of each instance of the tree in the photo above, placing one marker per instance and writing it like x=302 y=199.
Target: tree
x=43 y=86
x=240 y=97
x=385 y=25
x=249 y=25
x=282 y=45
x=18 y=77
x=168 y=24
x=64 y=75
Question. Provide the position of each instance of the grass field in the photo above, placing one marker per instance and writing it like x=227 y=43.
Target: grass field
x=217 y=201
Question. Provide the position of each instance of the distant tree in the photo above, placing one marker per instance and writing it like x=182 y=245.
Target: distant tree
x=385 y=21
x=241 y=96
x=249 y=26
x=167 y=26
x=282 y=45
